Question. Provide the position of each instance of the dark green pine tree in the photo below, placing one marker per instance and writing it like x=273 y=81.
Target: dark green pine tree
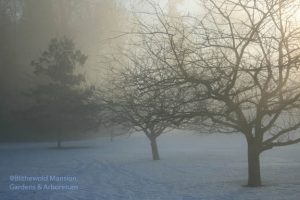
x=63 y=105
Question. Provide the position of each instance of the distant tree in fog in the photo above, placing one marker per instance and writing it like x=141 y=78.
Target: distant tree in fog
x=27 y=25
x=150 y=112
x=63 y=104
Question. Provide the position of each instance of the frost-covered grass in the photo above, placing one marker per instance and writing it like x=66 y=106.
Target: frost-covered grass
x=192 y=167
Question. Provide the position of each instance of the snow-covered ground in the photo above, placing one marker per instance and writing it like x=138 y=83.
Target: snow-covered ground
x=192 y=167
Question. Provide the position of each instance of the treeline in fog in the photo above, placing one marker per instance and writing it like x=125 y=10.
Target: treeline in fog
x=30 y=28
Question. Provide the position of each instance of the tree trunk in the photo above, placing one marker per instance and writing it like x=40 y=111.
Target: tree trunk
x=254 y=178
x=58 y=140
x=154 y=149
x=111 y=136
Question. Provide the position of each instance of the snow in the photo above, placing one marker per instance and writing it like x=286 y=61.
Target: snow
x=192 y=167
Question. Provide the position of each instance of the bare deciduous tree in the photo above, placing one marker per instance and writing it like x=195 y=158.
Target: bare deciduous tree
x=151 y=112
x=241 y=58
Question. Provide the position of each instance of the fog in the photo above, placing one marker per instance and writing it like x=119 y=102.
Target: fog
x=74 y=72
x=27 y=26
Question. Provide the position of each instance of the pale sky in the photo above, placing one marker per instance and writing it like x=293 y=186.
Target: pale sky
x=184 y=6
